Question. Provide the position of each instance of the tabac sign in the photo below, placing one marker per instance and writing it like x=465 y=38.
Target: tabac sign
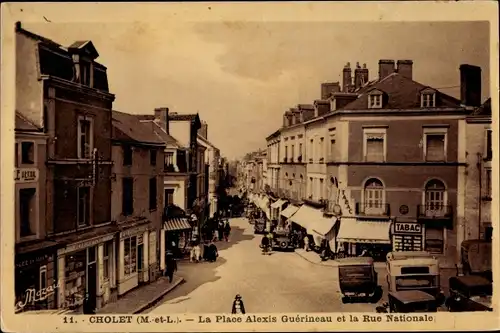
x=407 y=228
x=25 y=175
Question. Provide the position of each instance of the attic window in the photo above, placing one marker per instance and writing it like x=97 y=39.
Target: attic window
x=375 y=101
x=85 y=73
x=428 y=100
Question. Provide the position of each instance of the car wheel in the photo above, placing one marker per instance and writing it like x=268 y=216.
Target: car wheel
x=283 y=245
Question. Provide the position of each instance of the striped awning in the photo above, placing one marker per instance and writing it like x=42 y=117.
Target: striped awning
x=176 y=223
x=352 y=231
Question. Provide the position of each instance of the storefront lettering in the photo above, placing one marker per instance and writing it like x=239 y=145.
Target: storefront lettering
x=25 y=175
x=32 y=295
x=28 y=262
x=84 y=245
x=407 y=228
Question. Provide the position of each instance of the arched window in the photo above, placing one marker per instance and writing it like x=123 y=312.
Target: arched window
x=373 y=196
x=435 y=197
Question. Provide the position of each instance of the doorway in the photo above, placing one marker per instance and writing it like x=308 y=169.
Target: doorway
x=140 y=262
x=91 y=288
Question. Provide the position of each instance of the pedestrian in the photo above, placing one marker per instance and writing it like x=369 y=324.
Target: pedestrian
x=227 y=230
x=213 y=252
x=306 y=243
x=192 y=252
x=220 y=230
x=206 y=252
x=264 y=244
x=270 y=245
x=171 y=264
x=238 y=306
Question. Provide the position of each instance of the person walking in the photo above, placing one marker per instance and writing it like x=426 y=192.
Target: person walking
x=213 y=253
x=306 y=243
x=264 y=244
x=171 y=264
x=227 y=231
x=238 y=306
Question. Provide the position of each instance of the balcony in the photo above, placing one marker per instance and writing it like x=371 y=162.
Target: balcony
x=169 y=168
x=435 y=211
x=373 y=209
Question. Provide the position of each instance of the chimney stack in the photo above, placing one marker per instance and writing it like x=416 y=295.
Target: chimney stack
x=360 y=75
x=161 y=114
x=328 y=88
x=385 y=68
x=470 y=85
x=405 y=68
x=346 y=77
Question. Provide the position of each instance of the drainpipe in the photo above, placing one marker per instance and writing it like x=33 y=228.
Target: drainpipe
x=480 y=176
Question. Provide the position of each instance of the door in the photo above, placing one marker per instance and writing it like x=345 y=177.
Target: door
x=140 y=262
x=92 y=285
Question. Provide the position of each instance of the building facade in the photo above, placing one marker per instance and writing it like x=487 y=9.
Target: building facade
x=273 y=161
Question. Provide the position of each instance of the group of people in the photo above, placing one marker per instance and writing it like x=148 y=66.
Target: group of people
x=208 y=251
x=222 y=232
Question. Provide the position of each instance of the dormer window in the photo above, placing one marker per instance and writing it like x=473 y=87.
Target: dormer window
x=375 y=101
x=428 y=98
x=85 y=73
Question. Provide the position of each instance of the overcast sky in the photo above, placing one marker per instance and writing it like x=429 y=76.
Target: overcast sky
x=241 y=76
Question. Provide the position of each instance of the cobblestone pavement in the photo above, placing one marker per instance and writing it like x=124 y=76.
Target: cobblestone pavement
x=281 y=282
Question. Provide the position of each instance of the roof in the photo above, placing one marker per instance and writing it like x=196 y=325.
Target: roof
x=408 y=296
x=162 y=134
x=127 y=127
x=84 y=46
x=355 y=261
x=401 y=93
x=483 y=110
x=145 y=117
x=181 y=117
x=205 y=141
x=22 y=124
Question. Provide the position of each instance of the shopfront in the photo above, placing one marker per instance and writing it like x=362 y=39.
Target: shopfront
x=35 y=280
x=316 y=224
x=407 y=236
x=81 y=271
x=134 y=259
x=276 y=209
x=175 y=236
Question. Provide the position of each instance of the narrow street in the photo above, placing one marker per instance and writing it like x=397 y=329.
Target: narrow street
x=282 y=282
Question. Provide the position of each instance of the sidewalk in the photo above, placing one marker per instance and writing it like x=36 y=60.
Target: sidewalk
x=141 y=298
x=314 y=258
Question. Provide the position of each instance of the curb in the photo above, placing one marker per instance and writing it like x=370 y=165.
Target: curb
x=151 y=303
x=312 y=262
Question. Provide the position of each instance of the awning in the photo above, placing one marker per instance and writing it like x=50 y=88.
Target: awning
x=176 y=223
x=289 y=211
x=278 y=203
x=313 y=220
x=352 y=231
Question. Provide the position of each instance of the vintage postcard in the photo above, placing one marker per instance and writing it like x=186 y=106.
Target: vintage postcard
x=219 y=167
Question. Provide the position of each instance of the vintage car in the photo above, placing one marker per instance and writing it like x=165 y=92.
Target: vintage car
x=414 y=270
x=282 y=241
x=259 y=226
x=358 y=280
x=476 y=257
x=407 y=301
x=469 y=293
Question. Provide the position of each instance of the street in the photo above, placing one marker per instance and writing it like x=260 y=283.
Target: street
x=282 y=282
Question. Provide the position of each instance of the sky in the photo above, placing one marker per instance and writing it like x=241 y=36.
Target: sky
x=241 y=76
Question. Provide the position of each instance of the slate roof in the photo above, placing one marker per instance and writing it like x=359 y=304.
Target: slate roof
x=162 y=134
x=22 y=124
x=145 y=117
x=401 y=93
x=127 y=127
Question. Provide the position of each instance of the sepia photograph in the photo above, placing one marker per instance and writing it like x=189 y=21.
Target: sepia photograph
x=193 y=169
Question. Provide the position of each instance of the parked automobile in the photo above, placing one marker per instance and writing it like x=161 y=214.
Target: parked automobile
x=414 y=270
x=469 y=293
x=407 y=301
x=358 y=280
x=282 y=241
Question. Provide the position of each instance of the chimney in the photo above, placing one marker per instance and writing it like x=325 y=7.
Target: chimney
x=328 y=88
x=203 y=131
x=470 y=85
x=346 y=77
x=360 y=76
x=162 y=115
x=18 y=26
x=405 y=68
x=385 y=68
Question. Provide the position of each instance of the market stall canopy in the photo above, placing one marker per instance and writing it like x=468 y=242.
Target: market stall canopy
x=289 y=211
x=352 y=231
x=278 y=203
x=313 y=220
x=176 y=223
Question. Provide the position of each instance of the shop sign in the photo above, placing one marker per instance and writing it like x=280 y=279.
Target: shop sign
x=32 y=296
x=36 y=260
x=25 y=175
x=133 y=232
x=85 y=244
x=407 y=228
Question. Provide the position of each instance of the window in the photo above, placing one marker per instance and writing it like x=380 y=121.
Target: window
x=127 y=155
x=310 y=188
x=27 y=210
x=16 y=155
x=292 y=152
x=321 y=188
x=85 y=137
x=127 y=196
x=435 y=198
x=107 y=254
x=85 y=69
x=83 y=206
x=374 y=145
x=300 y=152
x=286 y=153
x=332 y=149
x=311 y=151
x=428 y=100
x=169 y=197
x=169 y=162
x=375 y=101
x=373 y=197
x=130 y=255
x=435 y=144
x=152 y=194
x=27 y=152
x=152 y=157
x=43 y=277
x=488 y=184
x=489 y=151
x=434 y=240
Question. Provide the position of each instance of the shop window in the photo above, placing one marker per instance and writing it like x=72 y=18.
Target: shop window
x=435 y=144
x=434 y=240
x=435 y=198
x=127 y=155
x=152 y=157
x=27 y=152
x=169 y=197
x=373 y=197
x=130 y=258
x=85 y=137
x=75 y=278
x=83 y=206
x=127 y=196
x=374 y=145
x=43 y=277
x=153 y=202
x=27 y=211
